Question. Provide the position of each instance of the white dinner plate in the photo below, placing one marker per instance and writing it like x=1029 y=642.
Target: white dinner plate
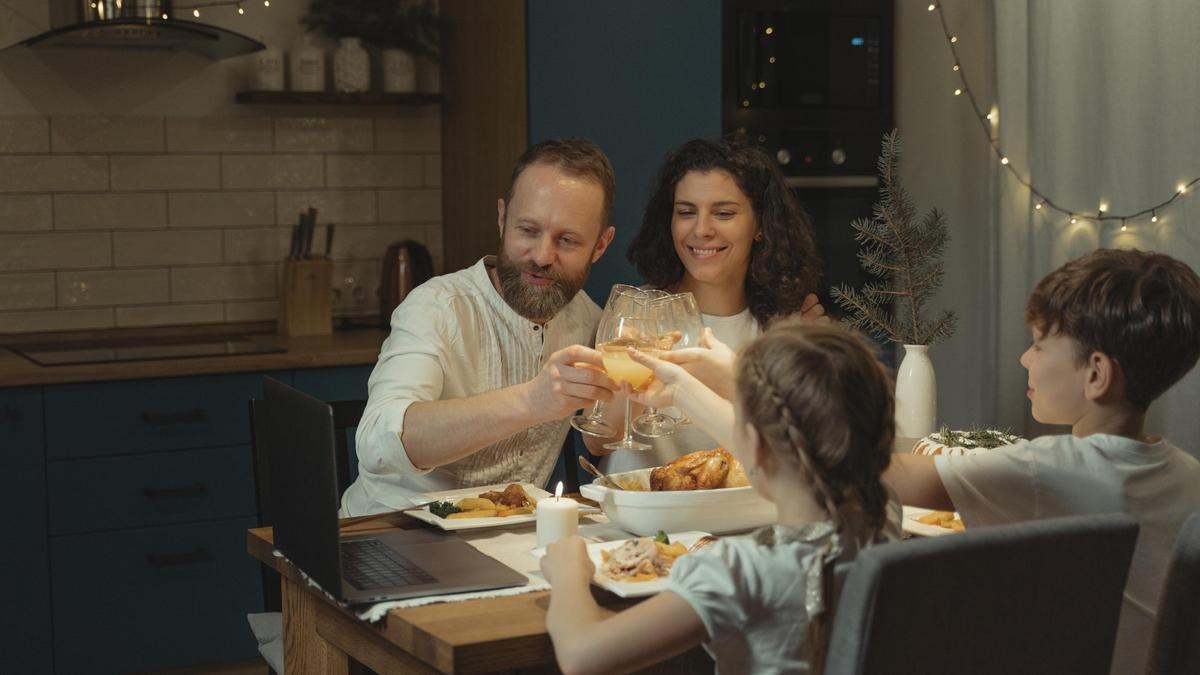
x=628 y=589
x=911 y=526
x=535 y=493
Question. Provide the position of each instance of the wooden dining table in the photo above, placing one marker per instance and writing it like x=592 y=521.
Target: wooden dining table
x=487 y=635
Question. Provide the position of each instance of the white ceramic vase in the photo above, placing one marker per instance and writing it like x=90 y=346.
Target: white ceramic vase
x=399 y=71
x=351 y=66
x=916 y=394
x=307 y=68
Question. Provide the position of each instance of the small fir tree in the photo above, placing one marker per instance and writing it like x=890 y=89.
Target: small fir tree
x=411 y=25
x=906 y=255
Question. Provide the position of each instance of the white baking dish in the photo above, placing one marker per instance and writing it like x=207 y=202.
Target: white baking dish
x=644 y=513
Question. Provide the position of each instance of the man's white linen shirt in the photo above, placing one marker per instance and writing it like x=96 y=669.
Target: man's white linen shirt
x=454 y=337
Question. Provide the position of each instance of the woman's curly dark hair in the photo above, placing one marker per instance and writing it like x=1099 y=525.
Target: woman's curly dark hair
x=784 y=266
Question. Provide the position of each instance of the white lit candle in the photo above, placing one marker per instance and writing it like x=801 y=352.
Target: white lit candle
x=557 y=518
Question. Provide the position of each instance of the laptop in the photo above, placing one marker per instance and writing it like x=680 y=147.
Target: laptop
x=297 y=434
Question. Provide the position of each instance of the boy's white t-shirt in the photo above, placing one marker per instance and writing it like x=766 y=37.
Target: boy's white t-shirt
x=735 y=331
x=1052 y=476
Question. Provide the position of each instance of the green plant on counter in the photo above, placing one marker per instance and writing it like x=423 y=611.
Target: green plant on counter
x=411 y=25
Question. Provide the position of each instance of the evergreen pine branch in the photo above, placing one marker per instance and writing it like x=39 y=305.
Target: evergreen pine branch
x=865 y=315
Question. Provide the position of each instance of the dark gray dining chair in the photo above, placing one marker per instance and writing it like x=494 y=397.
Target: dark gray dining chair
x=1033 y=598
x=1175 y=647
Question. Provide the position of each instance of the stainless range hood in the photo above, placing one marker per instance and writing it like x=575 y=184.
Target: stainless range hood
x=134 y=24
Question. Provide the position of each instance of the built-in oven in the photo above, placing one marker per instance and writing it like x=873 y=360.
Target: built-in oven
x=811 y=82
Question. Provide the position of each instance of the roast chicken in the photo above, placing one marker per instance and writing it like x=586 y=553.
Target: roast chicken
x=700 y=470
x=513 y=496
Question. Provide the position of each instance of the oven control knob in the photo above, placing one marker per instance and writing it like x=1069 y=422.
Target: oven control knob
x=838 y=157
x=783 y=156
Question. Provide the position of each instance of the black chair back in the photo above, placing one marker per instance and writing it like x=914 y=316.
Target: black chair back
x=1175 y=647
x=1033 y=598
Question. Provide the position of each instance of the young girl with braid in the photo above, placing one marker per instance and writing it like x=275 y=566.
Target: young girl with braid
x=812 y=424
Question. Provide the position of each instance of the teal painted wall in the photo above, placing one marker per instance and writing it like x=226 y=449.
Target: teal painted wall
x=638 y=77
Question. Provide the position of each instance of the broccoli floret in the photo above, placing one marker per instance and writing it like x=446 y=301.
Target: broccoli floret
x=443 y=509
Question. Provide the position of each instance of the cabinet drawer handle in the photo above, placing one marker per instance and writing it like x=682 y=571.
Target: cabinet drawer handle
x=172 y=419
x=194 y=490
x=173 y=559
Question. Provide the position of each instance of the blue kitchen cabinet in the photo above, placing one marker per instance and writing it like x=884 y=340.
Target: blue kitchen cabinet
x=25 y=627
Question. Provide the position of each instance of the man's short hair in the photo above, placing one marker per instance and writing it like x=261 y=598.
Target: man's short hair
x=1140 y=308
x=576 y=157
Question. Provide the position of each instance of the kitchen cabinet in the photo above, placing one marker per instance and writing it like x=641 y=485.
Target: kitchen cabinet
x=128 y=516
x=24 y=566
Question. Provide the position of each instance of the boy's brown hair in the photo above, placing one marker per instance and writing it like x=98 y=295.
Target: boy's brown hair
x=1140 y=308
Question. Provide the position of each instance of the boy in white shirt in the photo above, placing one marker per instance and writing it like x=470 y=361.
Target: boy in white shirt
x=1112 y=331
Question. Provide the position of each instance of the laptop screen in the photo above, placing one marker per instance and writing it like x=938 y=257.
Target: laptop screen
x=298 y=438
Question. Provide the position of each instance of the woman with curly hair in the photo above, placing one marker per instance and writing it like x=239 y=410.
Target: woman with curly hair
x=722 y=224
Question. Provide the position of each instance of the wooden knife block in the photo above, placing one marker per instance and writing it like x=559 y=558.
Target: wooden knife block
x=305 y=306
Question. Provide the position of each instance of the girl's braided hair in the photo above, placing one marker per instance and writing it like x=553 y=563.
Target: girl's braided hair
x=822 y=404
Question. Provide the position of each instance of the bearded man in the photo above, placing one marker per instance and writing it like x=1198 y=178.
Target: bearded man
x=484 y=366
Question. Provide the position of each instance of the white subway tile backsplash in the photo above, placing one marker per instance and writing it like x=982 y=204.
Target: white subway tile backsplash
x=142 y=221
x=320 y=134
x=221 y=209
x=168 y=247
x=252 y=172
x=112 y=287
x=170 y=315
x=433 y=170
x=374 y=170
x=24 y=133
x=218 y=134
x=410 y=206
x=355 y=287
x=420 y=133
x=55 y=251
x=258 y=310
x=55 y=320
x=45 y=173
x=268 y=244
x=32 y=290
x=110 y=211
x=165 y=172
x=229 y=282
x=333 y=206
x=366 y=242
x=105 y=133
x=26 y=213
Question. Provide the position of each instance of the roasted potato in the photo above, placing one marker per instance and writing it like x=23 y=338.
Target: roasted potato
x=477 y=513
x=515 y=511
x=476 y=503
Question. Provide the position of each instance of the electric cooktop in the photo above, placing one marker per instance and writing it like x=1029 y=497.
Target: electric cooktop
x=76 y=354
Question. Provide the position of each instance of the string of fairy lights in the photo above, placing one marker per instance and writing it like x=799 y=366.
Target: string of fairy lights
x=1043 y=201
x=240 y=5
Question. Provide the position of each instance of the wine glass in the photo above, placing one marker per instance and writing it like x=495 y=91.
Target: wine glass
x=678 y=322
x=594 y=424
x=628 y=327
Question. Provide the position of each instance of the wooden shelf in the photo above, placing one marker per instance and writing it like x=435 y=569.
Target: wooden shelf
x=336 y=98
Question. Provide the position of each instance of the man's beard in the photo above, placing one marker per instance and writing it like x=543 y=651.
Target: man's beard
x=536 y=303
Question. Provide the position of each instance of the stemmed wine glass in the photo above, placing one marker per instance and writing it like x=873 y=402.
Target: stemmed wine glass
x=628 y=326
x=620 y=297
x=678 y=322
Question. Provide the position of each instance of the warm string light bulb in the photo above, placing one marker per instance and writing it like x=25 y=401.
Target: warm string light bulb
x=196 y=12
x=1103 y=207
x=958 y=92
x=266 y=3
x=165 y=15
x=1123 y=226
x=1004 y=161
x=931 y=7
x=1154 y=216
x=956 y=68
x=1038 y=206
x=1181 y=188
x=241 y=10
x=1074 y=219
x=953 y=39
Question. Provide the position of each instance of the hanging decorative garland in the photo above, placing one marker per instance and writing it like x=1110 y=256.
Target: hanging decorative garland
x=197 y=6
x=1043 y=202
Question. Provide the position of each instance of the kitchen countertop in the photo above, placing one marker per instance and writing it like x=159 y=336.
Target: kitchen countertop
x=359 y=346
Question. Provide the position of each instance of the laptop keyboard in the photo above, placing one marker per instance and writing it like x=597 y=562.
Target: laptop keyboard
x=368 y=564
